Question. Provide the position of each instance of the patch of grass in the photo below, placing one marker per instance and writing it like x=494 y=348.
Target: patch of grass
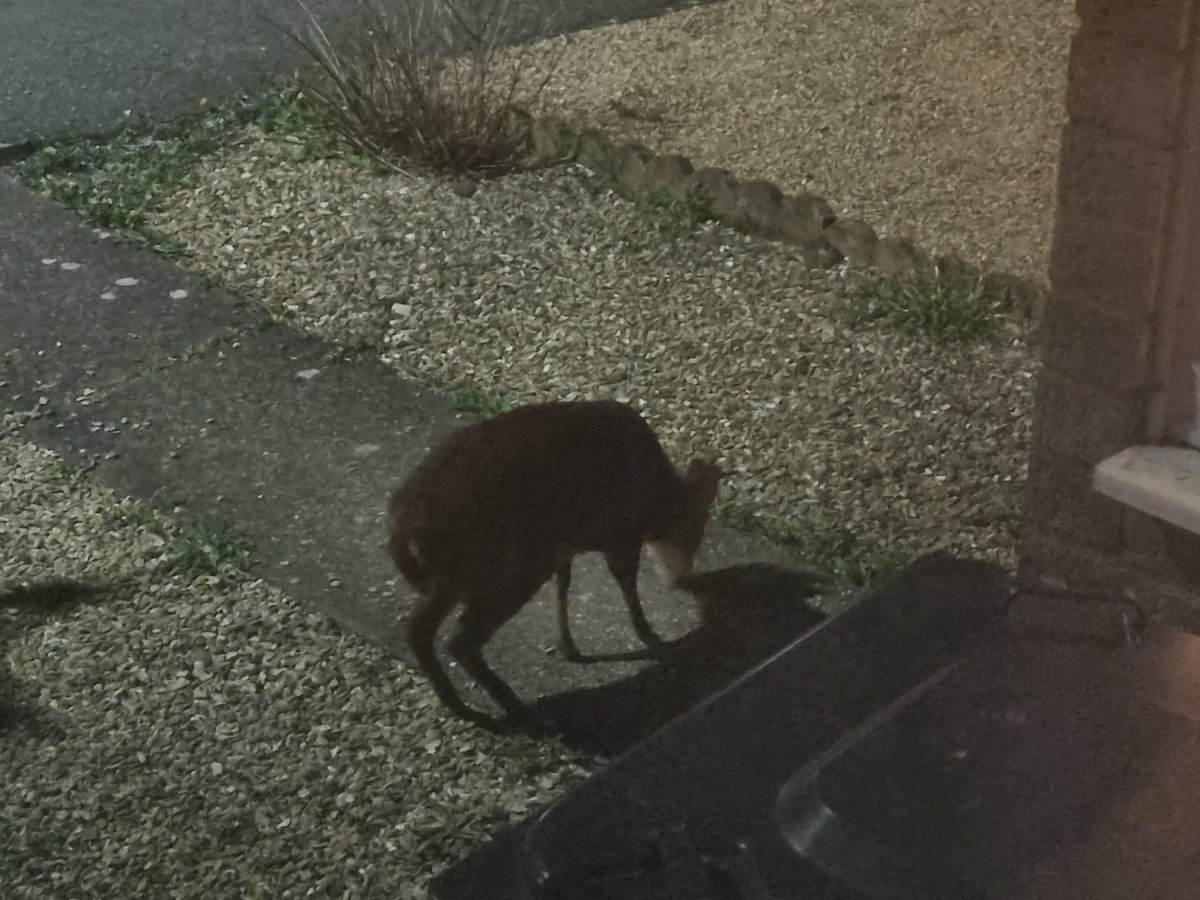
x=117 y=181
x=523 y=752
x=469 y=398
x=679 y=215
x=191 y=547
x=949 y=303
x=204 y=550
x=141 y=515
x=839 y=551
x=59 y=471
x=431 y=84
x=294 y=118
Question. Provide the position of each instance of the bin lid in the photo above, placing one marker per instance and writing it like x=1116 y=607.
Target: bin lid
x=1028 y=769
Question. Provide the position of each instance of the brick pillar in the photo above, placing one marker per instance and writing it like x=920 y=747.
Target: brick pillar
x=1125 y=277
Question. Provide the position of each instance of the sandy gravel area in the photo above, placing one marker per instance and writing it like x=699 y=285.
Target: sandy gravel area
x=934 y=118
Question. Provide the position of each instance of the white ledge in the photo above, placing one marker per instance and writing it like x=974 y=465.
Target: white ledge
x=1161 y=481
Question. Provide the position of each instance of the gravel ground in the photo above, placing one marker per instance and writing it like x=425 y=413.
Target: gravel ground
x=199 y=735
x=196 y=734
x=934 y=118
x=546 y=285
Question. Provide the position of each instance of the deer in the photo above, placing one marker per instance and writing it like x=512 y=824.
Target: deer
x=501 y=506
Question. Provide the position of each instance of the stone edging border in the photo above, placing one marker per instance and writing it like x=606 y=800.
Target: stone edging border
x=757 y=207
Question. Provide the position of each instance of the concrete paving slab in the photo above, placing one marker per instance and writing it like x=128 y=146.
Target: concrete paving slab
x=271 y=435
x=80 y=312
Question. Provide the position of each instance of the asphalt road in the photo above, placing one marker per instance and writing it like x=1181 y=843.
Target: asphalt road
x=79 y=66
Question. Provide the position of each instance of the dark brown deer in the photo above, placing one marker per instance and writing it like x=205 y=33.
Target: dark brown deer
x=504 y=505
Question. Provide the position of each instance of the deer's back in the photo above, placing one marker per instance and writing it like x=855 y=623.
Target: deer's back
x=517 y=489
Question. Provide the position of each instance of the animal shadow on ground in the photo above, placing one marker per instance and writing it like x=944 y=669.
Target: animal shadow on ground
x=747 y=613
x=27 y=606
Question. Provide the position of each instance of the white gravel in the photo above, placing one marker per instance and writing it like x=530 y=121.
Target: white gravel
x=938 y=119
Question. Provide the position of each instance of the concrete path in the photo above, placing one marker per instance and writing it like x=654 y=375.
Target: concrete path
x=191 y=398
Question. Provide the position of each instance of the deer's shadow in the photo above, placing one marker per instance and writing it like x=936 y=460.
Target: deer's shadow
x=27 y=606
x=747 y=613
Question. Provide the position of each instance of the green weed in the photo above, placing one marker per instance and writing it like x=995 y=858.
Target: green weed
x=679 y=214
x=191 y=547
x=205 y=550
x=469 y=398
x=838 y=551
x=948 y=303
x=117 y=181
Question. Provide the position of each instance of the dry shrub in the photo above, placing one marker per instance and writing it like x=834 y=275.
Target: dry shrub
x=434 y=83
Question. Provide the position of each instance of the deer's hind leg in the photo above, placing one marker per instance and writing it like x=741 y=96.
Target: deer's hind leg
x=427 y=615
x=477 y=623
